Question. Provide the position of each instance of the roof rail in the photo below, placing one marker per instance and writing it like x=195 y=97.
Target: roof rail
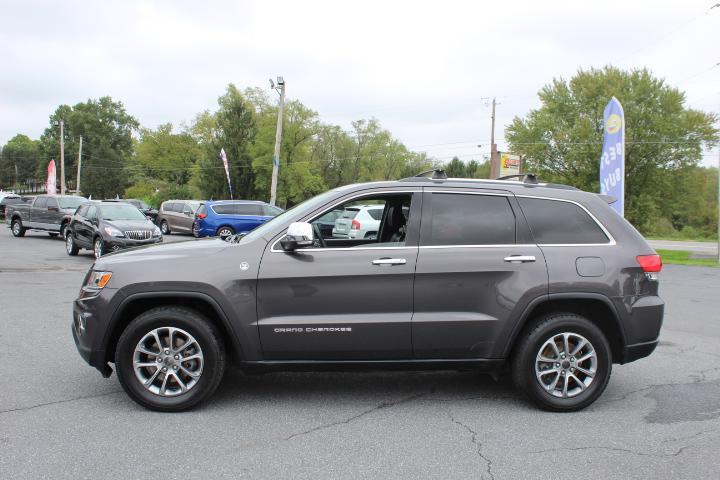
x=529 y=178
x=437 y=174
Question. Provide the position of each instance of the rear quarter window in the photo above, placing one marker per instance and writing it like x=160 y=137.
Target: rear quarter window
x=376 y=213
x=223 y=209
x=559 y=222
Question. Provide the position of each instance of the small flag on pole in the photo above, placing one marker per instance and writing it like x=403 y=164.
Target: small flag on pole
x=223 y=157
x=612 y=161
x=51 y=183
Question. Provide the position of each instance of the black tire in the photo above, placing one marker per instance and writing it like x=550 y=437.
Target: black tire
x=224 y=231
x=164 y=227
x=532 y=340
x=63 y=227
x=17 y=229
x=70 y=246
x=53 y=234
x=98 y=247
x=196 y=325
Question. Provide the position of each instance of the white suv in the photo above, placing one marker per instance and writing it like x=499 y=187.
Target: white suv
x=359 y=222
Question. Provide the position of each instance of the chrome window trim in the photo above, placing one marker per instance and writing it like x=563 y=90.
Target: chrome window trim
x=415 y=189
x=611 y=239
x=498 y=245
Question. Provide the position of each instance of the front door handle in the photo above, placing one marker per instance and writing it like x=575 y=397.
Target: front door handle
x=389 y=261
x=520 y=258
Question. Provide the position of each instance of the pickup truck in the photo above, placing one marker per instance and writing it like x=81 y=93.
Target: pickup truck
x=49 y=213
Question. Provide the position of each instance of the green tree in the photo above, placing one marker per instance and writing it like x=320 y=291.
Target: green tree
x=562 y=140
x=19 y=161
x=299 y=174
x=455 y=168
x=167 y=156
x=107 y=131
x=233 y=129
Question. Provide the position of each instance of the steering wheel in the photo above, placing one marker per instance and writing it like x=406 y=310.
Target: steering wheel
x=319 y=241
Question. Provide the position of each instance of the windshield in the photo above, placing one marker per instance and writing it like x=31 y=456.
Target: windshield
x=121 y=212
x=71 y=202
x=299 y=209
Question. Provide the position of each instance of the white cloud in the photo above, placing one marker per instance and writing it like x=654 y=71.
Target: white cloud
x=423 y=68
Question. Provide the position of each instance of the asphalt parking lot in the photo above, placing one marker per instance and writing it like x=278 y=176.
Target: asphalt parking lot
x=658 y=418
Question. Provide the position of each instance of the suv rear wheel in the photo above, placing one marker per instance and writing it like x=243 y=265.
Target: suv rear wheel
x=170 y=359
x=562 y=363
x=225 y=231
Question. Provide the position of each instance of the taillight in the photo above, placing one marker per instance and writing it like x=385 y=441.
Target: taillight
x=651 y=265
x=355 y=225
x=201 y=215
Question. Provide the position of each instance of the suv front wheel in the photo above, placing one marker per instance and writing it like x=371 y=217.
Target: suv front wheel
x=169 y=359
x=562 y=362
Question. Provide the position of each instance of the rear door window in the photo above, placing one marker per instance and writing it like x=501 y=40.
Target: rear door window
x=52 y=203
x=555 y=222
x=460 y=219
x=41 y=202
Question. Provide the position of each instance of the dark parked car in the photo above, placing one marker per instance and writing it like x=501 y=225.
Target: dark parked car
x=177 y=216
x=146 y=209
x=228 y=217
x=47 y=213
x=9 y=200
x=105 y=227
x=544 y=278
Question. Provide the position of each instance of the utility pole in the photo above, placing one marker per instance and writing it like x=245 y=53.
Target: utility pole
x=77 y=184
x=494 y=170
x=62 y=158
x=718 y=227
x=278 y=138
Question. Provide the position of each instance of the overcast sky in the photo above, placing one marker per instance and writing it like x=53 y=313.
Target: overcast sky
x=424 y=69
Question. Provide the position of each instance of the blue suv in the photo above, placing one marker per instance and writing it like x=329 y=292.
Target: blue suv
x=227 y=217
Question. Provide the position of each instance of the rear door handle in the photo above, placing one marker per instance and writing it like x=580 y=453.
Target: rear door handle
x=520 y=258
x=389 y=261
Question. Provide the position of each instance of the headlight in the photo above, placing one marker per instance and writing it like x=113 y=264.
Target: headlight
x=113 y=232
x=157 y=232
x=98 y=280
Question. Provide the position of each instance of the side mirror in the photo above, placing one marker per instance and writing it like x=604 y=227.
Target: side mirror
x=299 y=235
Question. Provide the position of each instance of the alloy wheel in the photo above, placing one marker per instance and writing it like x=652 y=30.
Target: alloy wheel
x=168 y=361
x=69 y=243
x=566 y=364
x=97 y=248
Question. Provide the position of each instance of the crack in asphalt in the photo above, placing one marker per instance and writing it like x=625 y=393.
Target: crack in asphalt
x=381 y=406
x=676 y=453
x=616 y=449
x=488 y=462
x=690 y=437
x=20 y=409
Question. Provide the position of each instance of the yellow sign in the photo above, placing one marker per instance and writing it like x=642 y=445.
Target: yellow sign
x=614 y=122
x=509 y=164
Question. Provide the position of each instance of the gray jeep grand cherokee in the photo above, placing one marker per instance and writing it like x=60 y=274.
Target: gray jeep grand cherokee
x=544 y=280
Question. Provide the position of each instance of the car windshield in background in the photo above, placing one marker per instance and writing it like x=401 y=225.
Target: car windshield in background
x=71 y=202
x=301 y=208
x=121 y=212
